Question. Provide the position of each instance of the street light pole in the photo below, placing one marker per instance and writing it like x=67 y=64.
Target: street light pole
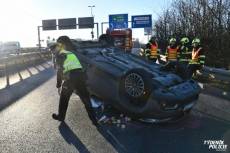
x=91 y=8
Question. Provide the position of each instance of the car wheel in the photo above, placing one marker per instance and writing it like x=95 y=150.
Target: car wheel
x=135 y=87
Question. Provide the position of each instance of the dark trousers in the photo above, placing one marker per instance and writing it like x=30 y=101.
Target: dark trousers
x=180 y=68
x=170 y=65
x=153 y=60
x=191 y=69
x=76 y=82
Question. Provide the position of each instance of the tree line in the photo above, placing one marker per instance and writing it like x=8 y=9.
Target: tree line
x=208 y=20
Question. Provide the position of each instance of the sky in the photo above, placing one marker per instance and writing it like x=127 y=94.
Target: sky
x=19 y=18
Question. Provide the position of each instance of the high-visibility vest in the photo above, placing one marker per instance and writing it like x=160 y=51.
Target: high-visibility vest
x=197 y=58
x=172 y=53
x=153 y=51
x=71 y=62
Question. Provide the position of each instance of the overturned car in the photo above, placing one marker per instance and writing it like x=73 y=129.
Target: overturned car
x=133 y=86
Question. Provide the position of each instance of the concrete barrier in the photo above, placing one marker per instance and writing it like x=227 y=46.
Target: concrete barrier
x=12 y=61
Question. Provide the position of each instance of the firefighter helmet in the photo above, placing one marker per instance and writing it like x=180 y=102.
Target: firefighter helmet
x=184 y=40
x=196 y=40
x=152 y=39
x=172 y=40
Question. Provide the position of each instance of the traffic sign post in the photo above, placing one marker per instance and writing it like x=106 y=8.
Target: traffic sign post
x=49 y=24
x=68 y=23
x=86 y=22
x=148 y=31
x=118 y=21
x=142 y=21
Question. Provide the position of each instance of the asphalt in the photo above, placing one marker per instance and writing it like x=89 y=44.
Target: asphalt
x=26 y=124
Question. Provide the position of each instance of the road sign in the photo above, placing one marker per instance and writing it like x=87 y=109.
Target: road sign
x=141 y=21
x=86 y=22
x=118 y=21
x=147 y=31
x=68 y=23
x=49 y=24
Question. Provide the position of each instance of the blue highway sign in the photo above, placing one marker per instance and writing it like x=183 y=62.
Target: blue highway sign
x=118 y=21
x=142 y=21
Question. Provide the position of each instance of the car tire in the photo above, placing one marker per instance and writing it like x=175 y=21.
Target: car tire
x=135 y=88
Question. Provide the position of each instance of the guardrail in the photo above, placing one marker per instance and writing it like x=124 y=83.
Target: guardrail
x=32 y=49
x=210 y=72
x=215 y=73
x=14 y=61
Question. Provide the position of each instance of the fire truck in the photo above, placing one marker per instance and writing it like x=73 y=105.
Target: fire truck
x=122 y=38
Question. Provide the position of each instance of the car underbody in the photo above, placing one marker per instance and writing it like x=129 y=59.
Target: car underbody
x=135 y=87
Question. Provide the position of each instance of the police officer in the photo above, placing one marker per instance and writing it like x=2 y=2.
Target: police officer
x=70 y=77
x=198 y=58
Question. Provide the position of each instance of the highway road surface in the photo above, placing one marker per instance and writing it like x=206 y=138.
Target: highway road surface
x=26 y=125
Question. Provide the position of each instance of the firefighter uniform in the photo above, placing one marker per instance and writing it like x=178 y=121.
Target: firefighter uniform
x=142 y=52
x=184 y=56
x=172 y=55
x=197 y=59
x=151 y=51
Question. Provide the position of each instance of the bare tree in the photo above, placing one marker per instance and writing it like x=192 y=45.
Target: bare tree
x=206 y=19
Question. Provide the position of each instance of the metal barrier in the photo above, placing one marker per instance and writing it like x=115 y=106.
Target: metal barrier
x=210 y=72
x=215 y=73
x=32 y=49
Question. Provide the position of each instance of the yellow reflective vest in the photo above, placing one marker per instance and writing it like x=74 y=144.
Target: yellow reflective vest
x=172 y=53
x=71 y=62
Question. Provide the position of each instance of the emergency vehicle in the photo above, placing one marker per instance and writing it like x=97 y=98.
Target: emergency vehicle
x=122 y=38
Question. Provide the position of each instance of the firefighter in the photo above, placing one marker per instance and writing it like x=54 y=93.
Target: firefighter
x=171 y=55
x=70 y=77
x=172 y=51
x=198 y=58
x=151 y=50
x=184 y=56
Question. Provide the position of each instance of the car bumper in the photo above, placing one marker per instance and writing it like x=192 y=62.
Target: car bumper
x=164 y=103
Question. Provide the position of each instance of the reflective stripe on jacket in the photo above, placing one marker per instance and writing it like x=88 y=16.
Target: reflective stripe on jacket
x=185 y=55
x=197 y=57
x=172 y=53
x=153 y=51
x=142 y=52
